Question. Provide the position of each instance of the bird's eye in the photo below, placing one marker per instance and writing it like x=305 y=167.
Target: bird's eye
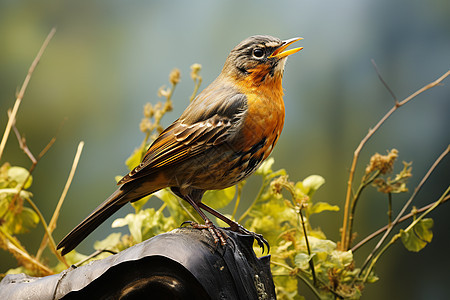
x=258 y=53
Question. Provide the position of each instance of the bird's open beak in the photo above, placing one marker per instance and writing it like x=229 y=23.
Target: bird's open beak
x=280 y=53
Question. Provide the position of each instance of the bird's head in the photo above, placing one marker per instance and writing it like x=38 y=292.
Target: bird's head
x=259 y=60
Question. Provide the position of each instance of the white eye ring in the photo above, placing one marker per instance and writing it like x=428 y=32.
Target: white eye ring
x=258 y=53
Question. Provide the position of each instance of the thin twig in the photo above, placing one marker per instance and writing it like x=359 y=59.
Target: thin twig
x=399 y=235
x=44 y=224
x=384 y=82
x=305 y=234
x=389 y=213
x=361 y=187
x=25 y=257
x=24 y=147
x=34 y=161
x=198 y=82
x=400 y=214
x=19 y=98
x=402 y=219
x=96 y=253
x=258 y=196
x=54 y=219
x=265 y=184
x=344 y=235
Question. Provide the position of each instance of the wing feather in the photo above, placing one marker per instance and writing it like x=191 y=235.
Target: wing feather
x=194 y=133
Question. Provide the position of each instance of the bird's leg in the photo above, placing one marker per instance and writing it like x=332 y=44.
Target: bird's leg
x=236 y=227
x=215 y=232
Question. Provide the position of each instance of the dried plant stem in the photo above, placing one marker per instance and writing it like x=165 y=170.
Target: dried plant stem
x=399 y=235
x=365 y=182
x=344 y=245
x=197 y=82
x=19 y=252
x=54 y=219
x=258 y=196
x=47 y=231
x=191 y=216
x=402 y=219
x=19 y=98
x=35 y=161
x=389 y=212
x=400 y=214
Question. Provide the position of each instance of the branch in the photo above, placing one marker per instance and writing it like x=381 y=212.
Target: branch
x=399 y=235
x=23 y=257
x=402 y=219
x=397 y=219
x=25 y=148
x=344 y=235
x=19 y=98
x=34 y=161
x=52 y=224
x=384 y=82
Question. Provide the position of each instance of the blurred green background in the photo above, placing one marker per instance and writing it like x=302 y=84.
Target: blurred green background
x=109 y=58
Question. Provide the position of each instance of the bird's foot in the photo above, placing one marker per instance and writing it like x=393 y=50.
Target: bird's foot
x=216 y=233
x=262 y=242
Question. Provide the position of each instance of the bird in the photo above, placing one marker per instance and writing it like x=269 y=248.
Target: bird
x=220 y=139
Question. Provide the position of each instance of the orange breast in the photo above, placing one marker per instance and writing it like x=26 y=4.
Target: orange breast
x=265 y=115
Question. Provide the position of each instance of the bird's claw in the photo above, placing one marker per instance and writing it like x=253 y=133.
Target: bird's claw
x=262 y=242
x=216 y=233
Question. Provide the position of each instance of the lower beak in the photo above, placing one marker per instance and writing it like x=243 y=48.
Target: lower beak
x=280 y=53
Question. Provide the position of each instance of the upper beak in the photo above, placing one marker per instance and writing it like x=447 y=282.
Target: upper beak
x=280 y=53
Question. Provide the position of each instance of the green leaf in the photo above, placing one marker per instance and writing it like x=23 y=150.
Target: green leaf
x=341 y=259
x=312 y=183
x=17 y=270
x=266 y=167
x=219 y=198
x=155 y=223
x=119 y=222
x=146 y=224
x=178 y=209
x=372 y=278
x=173 y=205
x=19 y=175
x=287 y=287
x=302 y=260
x=110 y=242
x=140 y=203
x=134 y=222
x=135 y=159
x=419 y=236
x=320 y=207
x=321 y=248
x=22 y=221
x=271 y=218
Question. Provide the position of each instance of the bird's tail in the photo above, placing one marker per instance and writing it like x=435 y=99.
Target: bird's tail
x=118 y=199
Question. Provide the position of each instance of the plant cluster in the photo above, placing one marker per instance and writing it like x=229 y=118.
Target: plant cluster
x=281 y=211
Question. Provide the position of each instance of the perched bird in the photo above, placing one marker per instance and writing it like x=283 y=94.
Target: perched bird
x=221 y=138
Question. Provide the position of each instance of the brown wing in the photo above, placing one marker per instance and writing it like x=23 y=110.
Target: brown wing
x=208 y=121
